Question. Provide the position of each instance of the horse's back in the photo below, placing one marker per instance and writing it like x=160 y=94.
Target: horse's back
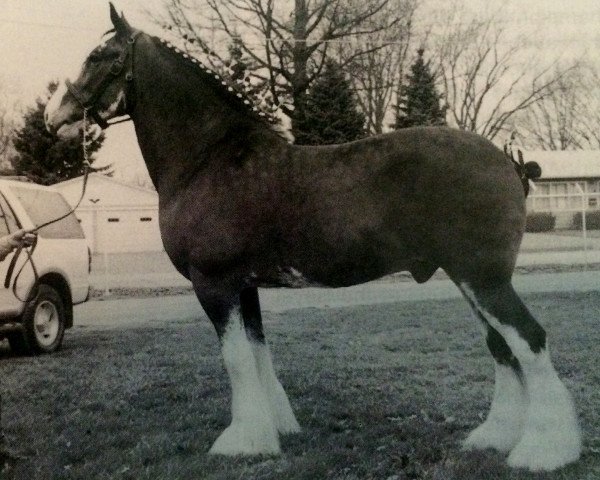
x=420 y=198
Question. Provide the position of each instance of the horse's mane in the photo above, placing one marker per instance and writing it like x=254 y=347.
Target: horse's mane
x=234 y=94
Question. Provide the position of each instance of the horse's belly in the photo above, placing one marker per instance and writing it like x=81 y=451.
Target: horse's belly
x=286 y=277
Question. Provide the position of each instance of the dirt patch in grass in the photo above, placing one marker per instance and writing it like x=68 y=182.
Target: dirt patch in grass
x=382 y=392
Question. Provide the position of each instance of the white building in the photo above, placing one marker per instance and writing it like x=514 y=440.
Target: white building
x=115 y=216
x=570 y=183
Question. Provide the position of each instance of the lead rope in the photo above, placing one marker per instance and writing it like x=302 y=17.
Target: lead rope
x=85 y=143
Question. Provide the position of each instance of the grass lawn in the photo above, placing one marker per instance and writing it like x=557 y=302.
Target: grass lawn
x=381 y=392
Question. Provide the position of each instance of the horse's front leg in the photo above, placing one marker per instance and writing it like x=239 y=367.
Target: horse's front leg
x=252 y=430
x=283 y=416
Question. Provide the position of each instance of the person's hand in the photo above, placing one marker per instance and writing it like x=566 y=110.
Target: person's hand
x=9 y=242
x=22 y=236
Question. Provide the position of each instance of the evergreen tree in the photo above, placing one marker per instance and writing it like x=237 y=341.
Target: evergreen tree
x=330 y=114
x=44 y=157
x=419 y=102
x=237 y=61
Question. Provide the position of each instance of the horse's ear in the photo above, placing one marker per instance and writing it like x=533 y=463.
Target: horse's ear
x=121 y=25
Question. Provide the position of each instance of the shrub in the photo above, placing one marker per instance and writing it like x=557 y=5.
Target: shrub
x=540 y=222
x=592 y=220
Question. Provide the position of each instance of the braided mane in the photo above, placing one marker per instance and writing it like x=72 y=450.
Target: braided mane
x=234 y=93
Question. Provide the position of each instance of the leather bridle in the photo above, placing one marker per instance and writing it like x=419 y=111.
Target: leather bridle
x=88 y=101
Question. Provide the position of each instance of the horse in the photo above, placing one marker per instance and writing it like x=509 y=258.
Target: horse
x=242 y=208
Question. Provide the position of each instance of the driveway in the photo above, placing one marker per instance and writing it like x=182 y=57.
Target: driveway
x=158 y=310
x=154 y=270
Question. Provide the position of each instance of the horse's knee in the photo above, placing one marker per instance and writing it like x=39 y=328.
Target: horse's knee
x=250 y=308
x=501 y=351
x=509 y=319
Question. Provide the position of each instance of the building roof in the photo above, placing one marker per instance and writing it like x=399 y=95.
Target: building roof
x=566 y=164
x=102 y=192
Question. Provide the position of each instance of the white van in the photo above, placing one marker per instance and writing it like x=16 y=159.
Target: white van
x=35 y=311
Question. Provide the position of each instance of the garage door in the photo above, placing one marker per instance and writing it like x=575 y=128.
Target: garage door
x=128 y=231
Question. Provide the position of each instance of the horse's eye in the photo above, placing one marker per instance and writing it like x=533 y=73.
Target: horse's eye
x=94 y=58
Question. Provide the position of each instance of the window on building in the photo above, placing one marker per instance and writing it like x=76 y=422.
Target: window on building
x=113 y=220
x=543 y=189
x=145 y=219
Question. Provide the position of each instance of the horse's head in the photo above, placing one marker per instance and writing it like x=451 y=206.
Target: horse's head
x=101 y=86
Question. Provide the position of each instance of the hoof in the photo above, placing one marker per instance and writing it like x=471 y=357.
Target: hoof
x=490 y=434
x=543 y=454
x=551 y=437
x=242 y=439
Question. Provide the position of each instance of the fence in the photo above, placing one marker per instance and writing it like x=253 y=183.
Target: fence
x=576 y=198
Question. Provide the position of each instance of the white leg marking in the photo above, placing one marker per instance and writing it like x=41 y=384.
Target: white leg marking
x=283 y=416
x=503 y=427
x=551 y=435
x=252 y=430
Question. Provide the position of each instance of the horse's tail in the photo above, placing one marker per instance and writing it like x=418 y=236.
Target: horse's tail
x=526 y=170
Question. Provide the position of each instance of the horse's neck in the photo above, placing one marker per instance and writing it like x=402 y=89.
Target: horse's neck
x=178 y=120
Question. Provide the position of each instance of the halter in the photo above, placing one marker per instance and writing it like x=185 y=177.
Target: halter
x=88 y=101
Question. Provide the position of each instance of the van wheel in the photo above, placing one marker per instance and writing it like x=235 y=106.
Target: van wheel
x=44 y=323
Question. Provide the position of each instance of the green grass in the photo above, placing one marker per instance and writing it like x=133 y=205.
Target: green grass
x=381 y=392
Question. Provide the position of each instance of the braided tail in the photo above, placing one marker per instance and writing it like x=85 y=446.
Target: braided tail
x=526 y=170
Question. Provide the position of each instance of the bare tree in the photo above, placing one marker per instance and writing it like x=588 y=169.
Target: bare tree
x=287 y=43
x=377 y=62
x=567 y=118
x=589 y=118
x=487 y=74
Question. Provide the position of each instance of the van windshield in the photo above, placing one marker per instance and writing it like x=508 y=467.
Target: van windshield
x=43 y=206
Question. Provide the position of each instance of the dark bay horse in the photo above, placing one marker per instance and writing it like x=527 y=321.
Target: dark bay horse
x=240 y=208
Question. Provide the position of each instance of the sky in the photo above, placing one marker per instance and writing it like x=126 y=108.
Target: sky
x=42 y=40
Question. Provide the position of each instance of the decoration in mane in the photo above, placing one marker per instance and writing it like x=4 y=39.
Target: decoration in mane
x=240 y=90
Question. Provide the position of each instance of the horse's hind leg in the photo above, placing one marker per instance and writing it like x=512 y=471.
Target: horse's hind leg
x=549 y=435
x=252 y=430
x=284 y=418
x=503 y=427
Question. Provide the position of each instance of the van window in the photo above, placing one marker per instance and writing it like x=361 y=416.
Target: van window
x=43 y=206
